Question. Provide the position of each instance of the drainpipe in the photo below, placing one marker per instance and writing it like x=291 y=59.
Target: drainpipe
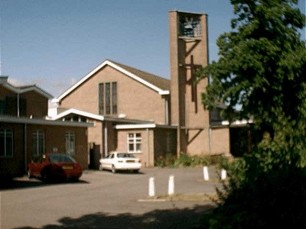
x=178 y=153
x=209 y=140
x=25 y=147
x=148 y=146
x=167 y=121
x=18 y=105
x=105 y=141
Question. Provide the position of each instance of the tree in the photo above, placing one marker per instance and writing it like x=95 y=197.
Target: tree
x=262 y=69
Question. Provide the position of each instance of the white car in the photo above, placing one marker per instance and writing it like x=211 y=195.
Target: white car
x=120 y=161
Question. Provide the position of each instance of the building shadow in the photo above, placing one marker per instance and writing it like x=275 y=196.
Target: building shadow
x=169 y=218
x=23 y=182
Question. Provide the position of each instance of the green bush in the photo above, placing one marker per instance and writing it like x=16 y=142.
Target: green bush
x=191 y=160
x=167 y=161
x=261 y=193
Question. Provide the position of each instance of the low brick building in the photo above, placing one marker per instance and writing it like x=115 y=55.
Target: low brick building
x=26 y=132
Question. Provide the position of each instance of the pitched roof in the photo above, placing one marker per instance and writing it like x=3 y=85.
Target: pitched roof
x=23 y=89
x=157 y=83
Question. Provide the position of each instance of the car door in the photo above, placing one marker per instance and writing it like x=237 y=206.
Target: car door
x=36 y=166
x=107 y=162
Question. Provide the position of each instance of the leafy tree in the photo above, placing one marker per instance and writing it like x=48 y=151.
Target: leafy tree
x=262 y=69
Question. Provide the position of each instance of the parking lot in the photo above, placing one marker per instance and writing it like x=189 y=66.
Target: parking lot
x=105 y=200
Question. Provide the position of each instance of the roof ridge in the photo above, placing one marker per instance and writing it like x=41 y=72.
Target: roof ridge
x=25 y=88
x=154 y=79
x=130 y=67
x=157 y=83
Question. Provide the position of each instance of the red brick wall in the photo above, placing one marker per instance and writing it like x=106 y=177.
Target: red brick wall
x=54 y=137
x=147 y=152
x=220 y=139
x=5 y=92
x=37 y=105
x=14 y=166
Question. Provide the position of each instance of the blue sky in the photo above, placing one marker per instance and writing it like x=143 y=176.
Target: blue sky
x=54 y=43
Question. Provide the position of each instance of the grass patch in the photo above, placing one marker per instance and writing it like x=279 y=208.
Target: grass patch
x=193 y=197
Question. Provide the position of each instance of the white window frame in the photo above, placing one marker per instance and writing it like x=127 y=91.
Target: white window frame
x=134 y=140
x=38 y=138
x=7 y=134
x=70 y=143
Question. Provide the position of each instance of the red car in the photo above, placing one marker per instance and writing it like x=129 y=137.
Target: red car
x=55 y=166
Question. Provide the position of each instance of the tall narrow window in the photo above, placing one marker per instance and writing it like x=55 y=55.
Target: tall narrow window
x=114 y=98
x=70 y=143
x=38 y=142
x=101 y=98
x=134 y=142
x=6 y=143
x=108 y=98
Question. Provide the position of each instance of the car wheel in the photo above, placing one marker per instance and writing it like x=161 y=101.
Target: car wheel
x=113 y=169
x=45 y=175
x=75 y=179
x=136 y=171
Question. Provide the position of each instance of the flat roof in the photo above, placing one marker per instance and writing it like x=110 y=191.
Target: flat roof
x=35 y=121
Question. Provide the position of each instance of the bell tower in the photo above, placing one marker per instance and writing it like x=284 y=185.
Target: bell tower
x=188 y=52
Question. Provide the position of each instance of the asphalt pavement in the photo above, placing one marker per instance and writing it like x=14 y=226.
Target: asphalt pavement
x=105 y=200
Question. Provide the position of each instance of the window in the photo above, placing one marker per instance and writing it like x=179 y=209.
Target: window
x=101 y=98
x=215 y=115
x=9 y=106
x=134 y=142
x=38 y=142
x=2 y=107
x=70 y=143
x=108 y=98
x=6 y=143
x=114 y=98
x=22 y=107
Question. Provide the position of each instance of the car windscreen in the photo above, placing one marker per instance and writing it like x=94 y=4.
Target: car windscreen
x=125 y=155
x=61 y=158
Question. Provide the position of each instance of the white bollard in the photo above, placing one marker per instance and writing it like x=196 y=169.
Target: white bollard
x=151 y=186
x=223 y=174
x=171 y=185
x=205 y=173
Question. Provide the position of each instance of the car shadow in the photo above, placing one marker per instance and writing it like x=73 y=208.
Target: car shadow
x=166 y=218
x=24 y=182
x=123 y=172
